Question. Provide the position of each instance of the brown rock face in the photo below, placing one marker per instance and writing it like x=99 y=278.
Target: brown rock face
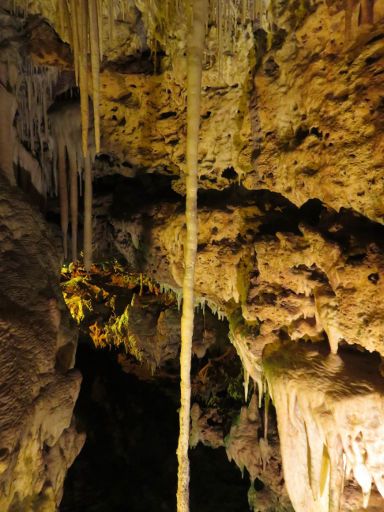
x=296 y=112
x=309 y=284
x=38 y=440
x=319 y=114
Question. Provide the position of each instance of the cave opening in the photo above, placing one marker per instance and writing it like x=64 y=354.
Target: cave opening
x=128 y=462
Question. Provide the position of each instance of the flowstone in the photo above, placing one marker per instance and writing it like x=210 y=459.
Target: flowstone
x=330 y=411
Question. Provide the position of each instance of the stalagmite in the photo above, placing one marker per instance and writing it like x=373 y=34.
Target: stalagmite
x=195 y=58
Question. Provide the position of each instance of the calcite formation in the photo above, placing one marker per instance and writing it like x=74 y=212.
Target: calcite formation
x=319 y=283
x=38 y=437
x=318 y=124
x=308 y=284
x=292 y=115
x=329 y=410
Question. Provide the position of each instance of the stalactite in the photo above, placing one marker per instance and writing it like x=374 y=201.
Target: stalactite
x=194 y=74
x=60 y=8
x=34 y=93
x=86 y=23
x=99 y=7
x=8 y=107
x=111 y=19
x=82 y=29
x=366 y=12
x=75 y=38
x=87 y=214
x=65 y=122
x=95 y=66
x=330 y=425
x=74 y=192
x=348 y=19
x=246 y=384
x=266 y=412
x=63 y=194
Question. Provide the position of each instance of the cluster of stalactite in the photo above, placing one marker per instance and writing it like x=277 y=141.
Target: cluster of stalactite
x=73 y=168
x=81 y=23
x=34 y=92
x=25 y=140
x=165 y=18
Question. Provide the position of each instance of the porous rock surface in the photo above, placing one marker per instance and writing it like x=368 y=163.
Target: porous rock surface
x=318 y=125
x=307 y=283
x=299 y=114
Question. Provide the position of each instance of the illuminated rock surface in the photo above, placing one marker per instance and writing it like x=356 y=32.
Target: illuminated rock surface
x=329 y=409
x=290 y=239
x=38 y=388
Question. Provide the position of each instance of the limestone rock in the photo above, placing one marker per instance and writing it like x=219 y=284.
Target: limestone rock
x=260 y=457
x=38 y=388
x=307 y=284
x=329 y=412
x=318 y=121
x=206 y=427
x=222 y=258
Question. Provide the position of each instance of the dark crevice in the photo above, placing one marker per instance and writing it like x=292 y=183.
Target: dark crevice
x=128 y=463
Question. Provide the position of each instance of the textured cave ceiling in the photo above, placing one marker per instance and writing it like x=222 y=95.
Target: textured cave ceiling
x=290 y=256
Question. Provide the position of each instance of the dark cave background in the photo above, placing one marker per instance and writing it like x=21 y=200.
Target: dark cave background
x=129 y=460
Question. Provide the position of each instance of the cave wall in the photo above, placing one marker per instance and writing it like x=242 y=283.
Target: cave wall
x=39 y=387
x=38 y=437
x=319 y=126
x=294 y=121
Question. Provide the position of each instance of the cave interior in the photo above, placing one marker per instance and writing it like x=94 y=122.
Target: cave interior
x=191 y=255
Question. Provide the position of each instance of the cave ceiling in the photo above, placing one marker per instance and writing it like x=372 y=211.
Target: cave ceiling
x=297 y=112
x=290 y=254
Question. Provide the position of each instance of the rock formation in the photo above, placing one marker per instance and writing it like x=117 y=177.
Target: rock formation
x=38 y=435
x=290 y=245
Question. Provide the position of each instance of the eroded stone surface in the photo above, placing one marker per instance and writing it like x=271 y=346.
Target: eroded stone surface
x=308 y=126
x=319 y=115
x=38 y=388
x=309 y=284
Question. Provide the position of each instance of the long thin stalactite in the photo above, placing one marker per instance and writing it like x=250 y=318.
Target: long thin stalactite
x=195 y=51
x=81 y=22
x=63 y=194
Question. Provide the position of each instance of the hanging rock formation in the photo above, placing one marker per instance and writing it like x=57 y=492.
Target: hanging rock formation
x=290 y=246
x=329 y=412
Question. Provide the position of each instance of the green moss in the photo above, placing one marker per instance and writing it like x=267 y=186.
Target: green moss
x=235 y=388
x=117 y=333
x=239 y=326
